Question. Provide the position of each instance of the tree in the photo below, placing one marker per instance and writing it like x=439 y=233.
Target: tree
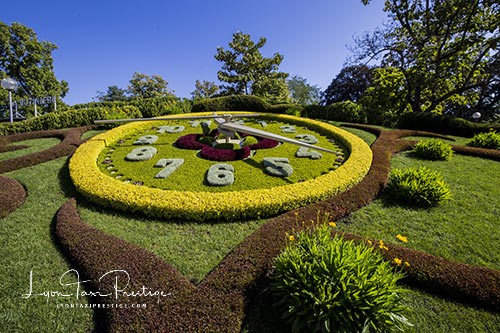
x=144 y=86
x=28 y=61
x=384 y=100
x=444 y=49
x=112 y=94
x=247 y=72
x=349 y=85
x=302 y=92
x=204 y=89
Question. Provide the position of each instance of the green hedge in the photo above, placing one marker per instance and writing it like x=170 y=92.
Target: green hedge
x=68 y=119
x=445 y=124
x=149 y=107
x=341 y=111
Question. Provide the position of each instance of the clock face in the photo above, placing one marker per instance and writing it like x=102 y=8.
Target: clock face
x=140 y=156
x=197 y=170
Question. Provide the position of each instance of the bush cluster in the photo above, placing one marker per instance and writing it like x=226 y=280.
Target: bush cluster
x=12 y=195
x=417 y=186
x=326 y=284
x=445 y=124
x=341 y=111
x=490 y=140
x=433 y=149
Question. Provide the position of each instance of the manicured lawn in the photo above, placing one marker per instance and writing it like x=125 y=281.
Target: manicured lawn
x=35 y=145
x=465 y=229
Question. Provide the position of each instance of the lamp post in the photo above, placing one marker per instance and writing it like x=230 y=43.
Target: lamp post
x=476 y=116
x=10 y=85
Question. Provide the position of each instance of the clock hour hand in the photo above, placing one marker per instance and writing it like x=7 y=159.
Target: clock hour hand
x=229 y=126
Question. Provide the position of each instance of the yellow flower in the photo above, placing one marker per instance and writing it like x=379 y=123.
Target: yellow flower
x=369 y=242
x=332 y=224
x=398 y=261
x=291 y=238
x=402 y=238
x=407 y=264
x=382 y=246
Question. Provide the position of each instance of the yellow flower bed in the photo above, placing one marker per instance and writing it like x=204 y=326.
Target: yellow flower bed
x=102 y=189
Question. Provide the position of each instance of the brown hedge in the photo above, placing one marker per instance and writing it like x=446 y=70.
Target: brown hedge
x=70 y=139
x=218 y=302
x=12 y=195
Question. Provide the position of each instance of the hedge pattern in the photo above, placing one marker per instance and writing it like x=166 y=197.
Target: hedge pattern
x=102 y=189
x=219 y=301
x=12 y=195
x=70 y=139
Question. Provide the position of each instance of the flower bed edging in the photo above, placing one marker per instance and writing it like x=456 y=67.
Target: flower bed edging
x=12 y=195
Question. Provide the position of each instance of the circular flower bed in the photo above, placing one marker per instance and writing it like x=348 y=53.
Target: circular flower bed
x=209 y=204
x=224 y=155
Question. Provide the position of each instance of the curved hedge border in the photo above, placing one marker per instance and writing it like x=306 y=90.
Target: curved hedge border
x=234 y=282
x=12 y=195
x=70 y=139
x=102 y=189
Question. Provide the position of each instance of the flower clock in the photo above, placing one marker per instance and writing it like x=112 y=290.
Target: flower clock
x=204 y=166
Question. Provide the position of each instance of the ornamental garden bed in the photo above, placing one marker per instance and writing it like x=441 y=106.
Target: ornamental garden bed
x=104 y=238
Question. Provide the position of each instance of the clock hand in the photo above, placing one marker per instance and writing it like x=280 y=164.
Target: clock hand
x=233 y=127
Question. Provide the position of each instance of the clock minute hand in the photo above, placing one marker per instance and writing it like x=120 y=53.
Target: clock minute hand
x=250 y=130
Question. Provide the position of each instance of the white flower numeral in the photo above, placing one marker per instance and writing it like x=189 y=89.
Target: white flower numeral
x=169 y=166
x=277 y=166
x=220 y=174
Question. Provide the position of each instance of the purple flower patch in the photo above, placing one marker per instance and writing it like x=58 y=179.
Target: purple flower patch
x=215 y=154
x=189 y=141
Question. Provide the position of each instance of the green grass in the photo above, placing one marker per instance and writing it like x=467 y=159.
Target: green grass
x=191 y=175
x=35 y=145
x=194 y=249
x=463 y=229
x=27 y=244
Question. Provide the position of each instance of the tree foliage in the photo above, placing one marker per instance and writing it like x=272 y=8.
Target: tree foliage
x=444 y=49
x=144 y=86
x=247 y=72
x=114 y=93
x=28 y=61
x=204 y=89
x=302 y=92
x=349 y=85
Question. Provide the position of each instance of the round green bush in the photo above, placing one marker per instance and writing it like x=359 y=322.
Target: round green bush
x=417 y=186
x=490 y=140
x=326 y=284
x=433 y=149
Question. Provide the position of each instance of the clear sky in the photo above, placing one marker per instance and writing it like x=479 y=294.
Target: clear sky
x=102 y=43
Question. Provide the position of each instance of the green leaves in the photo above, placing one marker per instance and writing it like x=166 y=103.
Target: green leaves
x=248 y=72
x=419 y=187
x=326 y=284
x=433 y=149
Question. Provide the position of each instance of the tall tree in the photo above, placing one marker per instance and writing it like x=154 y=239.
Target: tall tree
x=144 y=86
x=28 y=61
x=204 y=89
x=444 y=48
x=248 y=72
x=302 y=92
x=349 y=85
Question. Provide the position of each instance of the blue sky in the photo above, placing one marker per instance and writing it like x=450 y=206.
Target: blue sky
x=102 y=43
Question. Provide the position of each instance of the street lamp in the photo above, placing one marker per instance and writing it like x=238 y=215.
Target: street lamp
x=476 y=116
x=10 y=84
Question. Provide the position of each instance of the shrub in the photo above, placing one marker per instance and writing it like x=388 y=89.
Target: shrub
x=433 y=149
x=445 y=124
x=232 y=103
x=490 y=140
x=420 y=187
x=333 y=285
x=342 y=111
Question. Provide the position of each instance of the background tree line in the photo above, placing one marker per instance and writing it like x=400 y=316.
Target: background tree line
x=438 y=56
